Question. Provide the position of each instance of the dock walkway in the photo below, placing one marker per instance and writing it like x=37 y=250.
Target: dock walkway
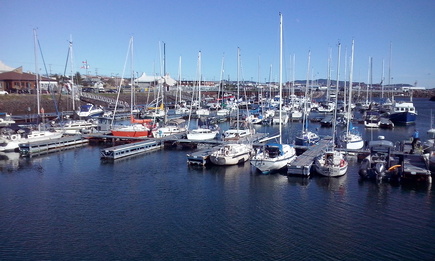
x=40 y=147
x=302 y=164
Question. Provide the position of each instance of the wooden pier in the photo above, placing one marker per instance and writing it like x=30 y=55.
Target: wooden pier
x=303 y=163
x=41 y=147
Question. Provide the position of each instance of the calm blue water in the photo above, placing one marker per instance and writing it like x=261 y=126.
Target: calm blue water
x=71 y=206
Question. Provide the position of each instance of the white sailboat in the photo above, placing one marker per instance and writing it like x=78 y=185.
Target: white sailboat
x=306 y=137
x=275 y=156
x=351 y=139
x=331 y=163
x=200 y=111
x=11 y=141
x=203 y=130
x=233 y=153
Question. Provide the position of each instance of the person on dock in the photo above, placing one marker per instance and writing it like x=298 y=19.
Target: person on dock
x=415 y=140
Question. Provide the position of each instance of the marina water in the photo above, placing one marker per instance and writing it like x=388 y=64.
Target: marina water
x=70 y=205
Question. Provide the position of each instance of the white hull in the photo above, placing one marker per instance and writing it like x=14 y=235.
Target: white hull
x=265 y=163
x=352 y=141
x=331 y=167
x=231 y=154
x=12 y=142
x=202 y=134
x=167 y=131
x=77 y=127
x=202 y=112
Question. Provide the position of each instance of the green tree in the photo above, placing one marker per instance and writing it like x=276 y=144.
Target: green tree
x=78 y=78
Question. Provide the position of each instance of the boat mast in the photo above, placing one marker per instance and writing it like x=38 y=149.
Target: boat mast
x=133 y=89
x=307 y=84
x=334 y=120
x=73 y=94
x=36 y=74
x=199 y=79
x=280 y=78
x=350 y=86
x=238 y=85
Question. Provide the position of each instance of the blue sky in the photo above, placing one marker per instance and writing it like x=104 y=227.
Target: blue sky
x=101 y=31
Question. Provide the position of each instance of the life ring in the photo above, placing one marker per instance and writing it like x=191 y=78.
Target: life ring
x=14 y=137
x=227 y=153
x=394 y=167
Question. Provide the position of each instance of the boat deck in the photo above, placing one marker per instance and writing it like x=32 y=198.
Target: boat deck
x=415 y=168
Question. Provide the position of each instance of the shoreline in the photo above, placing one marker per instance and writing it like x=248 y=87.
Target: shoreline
x=26 y=104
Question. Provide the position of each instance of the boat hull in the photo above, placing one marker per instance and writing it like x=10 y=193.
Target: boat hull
x=404 y=118
x=121 y=133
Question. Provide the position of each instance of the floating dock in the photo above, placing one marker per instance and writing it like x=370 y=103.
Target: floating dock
x=201 y=157
x=41 y=147
x=130 y=149
x=303 y=163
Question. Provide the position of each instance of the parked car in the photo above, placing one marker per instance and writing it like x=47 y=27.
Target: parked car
x=3 y=92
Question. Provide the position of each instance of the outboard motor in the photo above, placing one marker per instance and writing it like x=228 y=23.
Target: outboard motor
x=380 y=170
x=363 y=172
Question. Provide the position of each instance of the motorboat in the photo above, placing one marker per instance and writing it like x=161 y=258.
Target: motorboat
x=90 y=110
x=73 y=127
x=380 y=164
x=11 y=141
x=5 y=119
x=403 y=113
x=372 y=119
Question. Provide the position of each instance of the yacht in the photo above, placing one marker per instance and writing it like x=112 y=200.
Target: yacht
x=90 y=110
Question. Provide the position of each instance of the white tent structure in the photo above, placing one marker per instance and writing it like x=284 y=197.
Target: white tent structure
x=5 y=68
x=148 y=79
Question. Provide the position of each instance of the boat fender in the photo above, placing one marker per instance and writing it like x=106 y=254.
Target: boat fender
x=394 y=167
x=363 y=173
x=342 y=163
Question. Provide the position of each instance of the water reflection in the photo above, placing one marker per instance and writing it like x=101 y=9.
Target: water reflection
x=301 y=181
x=335 y=184
x=9 y=161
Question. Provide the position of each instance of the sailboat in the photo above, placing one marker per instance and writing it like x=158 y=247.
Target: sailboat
x=180 y=105
x=275 y=156
x=11 y=141
x=200 y=111
x=233 y=153
x=138 y=127
x=306 y=137
x=351 y=139
x=203 y=129
x=331 y=162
